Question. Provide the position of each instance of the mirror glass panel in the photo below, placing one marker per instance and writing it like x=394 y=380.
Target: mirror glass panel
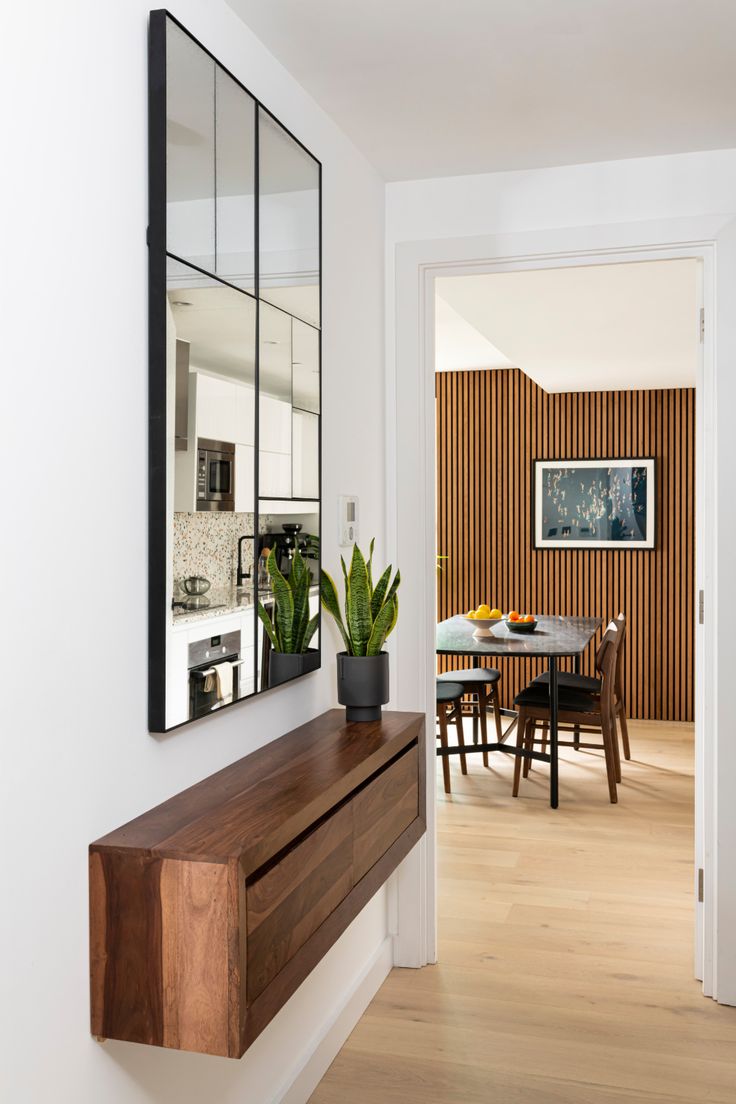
x=190 y=150
x=289 y=184
x=235 y=182
x=305 y=367
x=235 y=383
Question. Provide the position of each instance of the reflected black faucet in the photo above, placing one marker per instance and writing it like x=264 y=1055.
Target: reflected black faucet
x=242 y=575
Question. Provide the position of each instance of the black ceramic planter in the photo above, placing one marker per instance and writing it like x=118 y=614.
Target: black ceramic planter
x=362 y=685
x=284 y=666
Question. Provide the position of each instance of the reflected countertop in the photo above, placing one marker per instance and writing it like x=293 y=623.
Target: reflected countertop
x=223 y=601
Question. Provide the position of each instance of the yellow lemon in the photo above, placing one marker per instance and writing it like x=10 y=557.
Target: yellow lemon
x=495 y=614
x=483 y=611
x=470 y=613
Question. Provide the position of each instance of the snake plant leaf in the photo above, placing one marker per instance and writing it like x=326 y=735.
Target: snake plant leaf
x=275 y=642
x=299 y=583
x=311 y=630
x=330 y=601
x=394 y=587
x=297 y=571
x=379 y=593
x=395 y=618
x=360 y=622
x=380 y=629
x=369 y=568
x=284 y=613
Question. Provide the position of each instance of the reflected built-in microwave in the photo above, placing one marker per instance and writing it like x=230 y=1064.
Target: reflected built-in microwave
x=215 y=475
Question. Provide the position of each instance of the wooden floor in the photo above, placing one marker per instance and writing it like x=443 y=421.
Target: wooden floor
x=565 y=970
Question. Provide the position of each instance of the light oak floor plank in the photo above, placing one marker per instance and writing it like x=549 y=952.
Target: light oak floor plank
x=566 y=949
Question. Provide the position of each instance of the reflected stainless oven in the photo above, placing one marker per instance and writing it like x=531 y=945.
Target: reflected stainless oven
x=204 y=655
x=215 y=475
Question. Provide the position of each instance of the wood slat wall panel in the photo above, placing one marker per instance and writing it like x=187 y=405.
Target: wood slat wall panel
x=491 y=426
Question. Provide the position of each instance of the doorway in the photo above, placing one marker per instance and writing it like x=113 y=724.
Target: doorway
x=412 y=516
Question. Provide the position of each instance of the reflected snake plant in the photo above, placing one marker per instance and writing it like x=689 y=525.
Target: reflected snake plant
x=370 y=611
x=290 y=630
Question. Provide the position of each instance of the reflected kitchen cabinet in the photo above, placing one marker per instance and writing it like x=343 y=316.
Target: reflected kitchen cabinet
x=245 y=477
x=305 y=459
x=305 y=367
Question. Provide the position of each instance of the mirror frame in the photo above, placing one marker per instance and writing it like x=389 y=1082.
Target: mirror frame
x=159 y=600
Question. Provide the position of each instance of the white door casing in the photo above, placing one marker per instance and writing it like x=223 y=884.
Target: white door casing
x=410 y=453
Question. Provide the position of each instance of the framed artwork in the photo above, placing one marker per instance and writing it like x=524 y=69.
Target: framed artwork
x=594 y=503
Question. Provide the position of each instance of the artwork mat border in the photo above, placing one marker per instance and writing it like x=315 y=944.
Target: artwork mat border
x=649 y=544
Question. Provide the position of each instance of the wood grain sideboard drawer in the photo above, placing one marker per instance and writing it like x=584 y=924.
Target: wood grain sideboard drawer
x=288 y=901
x=383 y=810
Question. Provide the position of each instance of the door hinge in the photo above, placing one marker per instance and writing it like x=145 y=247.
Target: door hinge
x=700 y=886
x=702 y=323
x=701 y=607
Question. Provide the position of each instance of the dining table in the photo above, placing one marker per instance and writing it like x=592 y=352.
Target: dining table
x=554 y=638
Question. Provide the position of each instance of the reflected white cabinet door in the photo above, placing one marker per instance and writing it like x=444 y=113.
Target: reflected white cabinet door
x=244 y=479
x=245 y=415
x=306 y=455
x=275 y=426
x=274 y=475
x=217 y=414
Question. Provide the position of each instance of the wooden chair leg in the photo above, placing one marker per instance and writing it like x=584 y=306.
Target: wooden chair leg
x=608 y=738
x=614 y=745
x=529 y=734
x=621 y=710
x=460 y=734
x=520 y=734
x=545 y=730
x=442 y=716
x=483 y=707
x=497 y=711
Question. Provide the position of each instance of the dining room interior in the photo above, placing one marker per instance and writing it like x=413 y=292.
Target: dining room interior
x=558 y=394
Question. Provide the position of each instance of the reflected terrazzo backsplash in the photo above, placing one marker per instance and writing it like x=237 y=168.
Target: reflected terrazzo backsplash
x=207 y=544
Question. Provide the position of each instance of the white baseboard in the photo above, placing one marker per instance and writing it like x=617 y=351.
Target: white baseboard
x=315 y=1060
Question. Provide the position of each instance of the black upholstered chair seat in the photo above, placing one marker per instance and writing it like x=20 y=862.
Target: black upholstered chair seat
x=568 y=700
x=449 y=691
x=568 y=680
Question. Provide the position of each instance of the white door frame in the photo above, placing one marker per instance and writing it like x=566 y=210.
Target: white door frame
x=411 y=534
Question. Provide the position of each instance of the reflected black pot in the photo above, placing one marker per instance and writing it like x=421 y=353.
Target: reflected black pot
x=284 y=666
x=362 y=685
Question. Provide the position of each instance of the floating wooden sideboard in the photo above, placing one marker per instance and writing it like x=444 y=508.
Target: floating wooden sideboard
x=208 y=912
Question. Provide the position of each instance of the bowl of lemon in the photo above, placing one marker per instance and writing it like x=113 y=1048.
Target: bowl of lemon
x=484 y=618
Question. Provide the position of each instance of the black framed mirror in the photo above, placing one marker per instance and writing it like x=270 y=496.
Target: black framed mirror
x=234 y=243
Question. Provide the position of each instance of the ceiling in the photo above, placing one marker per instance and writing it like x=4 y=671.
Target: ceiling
x=613 y=327
x=441 y=89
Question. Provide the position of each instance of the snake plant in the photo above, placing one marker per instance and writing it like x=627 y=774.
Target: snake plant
x=290 y=630
x=370 y=611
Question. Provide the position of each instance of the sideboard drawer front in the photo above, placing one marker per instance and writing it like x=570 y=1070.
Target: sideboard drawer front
x=384 y=809
x=287 y=903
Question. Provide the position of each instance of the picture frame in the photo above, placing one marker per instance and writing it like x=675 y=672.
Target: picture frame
x=604 y=503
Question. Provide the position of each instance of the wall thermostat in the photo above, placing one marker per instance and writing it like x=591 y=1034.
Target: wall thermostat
x=347 y=513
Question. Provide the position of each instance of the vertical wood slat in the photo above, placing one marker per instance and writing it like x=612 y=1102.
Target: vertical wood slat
x=491 y=426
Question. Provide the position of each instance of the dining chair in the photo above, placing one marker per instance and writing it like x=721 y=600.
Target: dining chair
x=578 y=712
x=589 y=684
x=449 y=708
x=474 y=681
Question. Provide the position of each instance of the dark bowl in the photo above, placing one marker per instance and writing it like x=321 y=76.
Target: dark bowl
x=522 y=626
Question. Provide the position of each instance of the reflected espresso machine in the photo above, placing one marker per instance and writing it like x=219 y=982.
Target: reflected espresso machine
x=288 y=541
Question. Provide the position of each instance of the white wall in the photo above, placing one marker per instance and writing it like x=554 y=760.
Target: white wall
x=678 y=186
x=77 y=758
